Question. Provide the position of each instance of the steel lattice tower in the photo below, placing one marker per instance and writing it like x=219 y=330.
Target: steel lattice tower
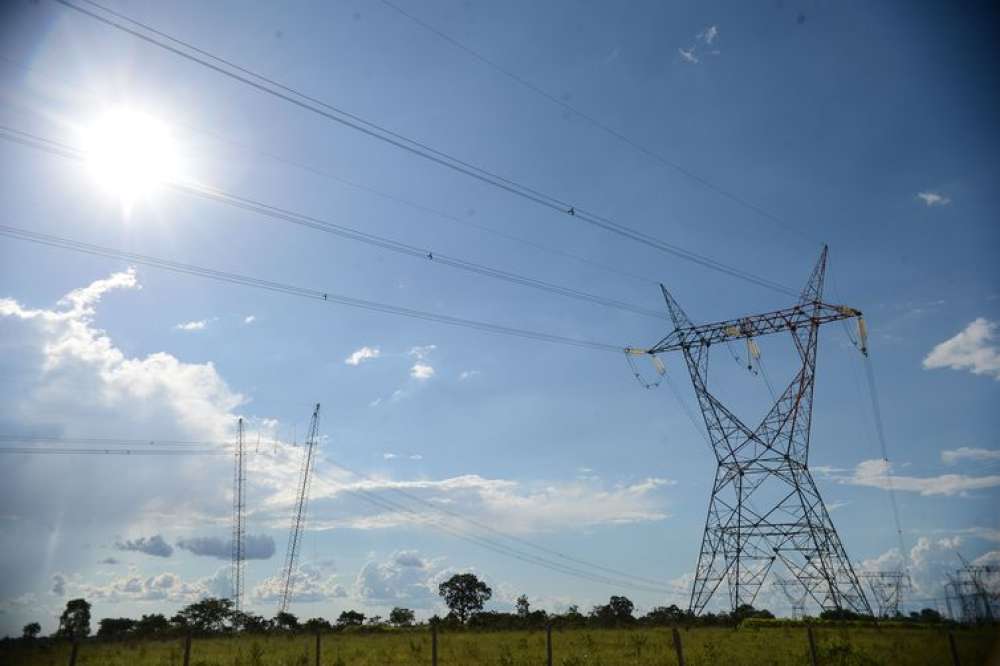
x=765 y=507
x=795 y=594
x=239 y=518
x=299 y=515
x=887 y=590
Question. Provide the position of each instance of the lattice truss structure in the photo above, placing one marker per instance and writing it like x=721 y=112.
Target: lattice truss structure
x=795 y=594
x=765 y=508
x=238 y=574
x=973 y=594
x=288 y=572
x=887 y=589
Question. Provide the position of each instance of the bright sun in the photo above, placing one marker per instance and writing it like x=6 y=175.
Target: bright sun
x=130 y=153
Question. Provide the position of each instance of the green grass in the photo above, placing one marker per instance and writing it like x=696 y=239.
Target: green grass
x=852 y=646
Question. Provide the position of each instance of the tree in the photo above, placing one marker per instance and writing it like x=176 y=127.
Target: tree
x=464 y=594
x=285 y=621
x=664 y=615
x=523 y=607
x=154 y=624
x=115 y=628
x=249 y=622
x=617 y=611
x=930 y=615
x=316 y=625
x=31 y=631
x=401 y=617
x=74 y=623
x=206 y=616
x=350 y=618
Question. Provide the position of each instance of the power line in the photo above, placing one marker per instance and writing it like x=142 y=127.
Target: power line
x=499 y=547
x=498 y=532
x=281 y=214
x=103 y=441
x=880 y=432
x=291 y=290
x=30 y=450
x=338 y=115
x=595 y=122
x=323 y=173
x=637 y=582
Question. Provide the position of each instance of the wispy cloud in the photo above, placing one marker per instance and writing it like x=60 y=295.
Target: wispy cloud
x=256 y=547
x=703 y=45
x=878 y=474
x=467 y=374
x=155 y=545
x=931 y=199
x=361 y=355
x=249 y=319
x=192 y=325
x=971 y=350
x=687 y=55
x=952 y=456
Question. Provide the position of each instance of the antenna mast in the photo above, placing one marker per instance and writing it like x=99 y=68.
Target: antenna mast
x=299 y=516
x=239 y=519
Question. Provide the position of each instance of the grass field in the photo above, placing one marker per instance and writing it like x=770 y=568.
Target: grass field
x=578 y=647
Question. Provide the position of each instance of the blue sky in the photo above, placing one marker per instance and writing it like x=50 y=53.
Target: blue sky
x=835 y=120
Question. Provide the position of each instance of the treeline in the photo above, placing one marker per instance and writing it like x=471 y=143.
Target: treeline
x=464 y=595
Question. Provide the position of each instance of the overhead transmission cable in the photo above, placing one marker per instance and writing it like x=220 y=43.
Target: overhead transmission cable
x=624 y=579
x=512 y=537
x=291 y=290
x=271 y=87
x=403 y=201
x=595 y=122
x=876 y=408
x=281 y=214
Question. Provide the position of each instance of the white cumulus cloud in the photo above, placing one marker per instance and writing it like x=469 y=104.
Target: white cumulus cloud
x=421 y=371
x=973 y=349
x=192 y=325
x=359 y=356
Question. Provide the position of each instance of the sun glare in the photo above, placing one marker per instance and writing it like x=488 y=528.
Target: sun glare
x=130 y=153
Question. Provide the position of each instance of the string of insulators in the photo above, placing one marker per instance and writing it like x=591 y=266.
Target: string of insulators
x=753 y=353
x=863 y=334
x=661 y=369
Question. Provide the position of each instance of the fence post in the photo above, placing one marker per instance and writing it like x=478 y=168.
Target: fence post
x=954 y=648
x=187 y=650
x=812 y=646
x=317 y=648
x=548 y=644
x=434 y=645
x=72 y=653
x=678 y=648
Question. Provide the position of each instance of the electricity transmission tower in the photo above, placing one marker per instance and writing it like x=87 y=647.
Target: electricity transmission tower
x=970 y=588
x=299 y=514
x=795 y=594
x=765 y=506
x=887 y=590
x=239 y=518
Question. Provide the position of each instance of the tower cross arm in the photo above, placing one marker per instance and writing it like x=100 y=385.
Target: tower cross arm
x=752 y=326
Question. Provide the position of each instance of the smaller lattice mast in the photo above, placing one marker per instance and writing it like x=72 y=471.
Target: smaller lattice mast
x=299 y=514
x=239 y=518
